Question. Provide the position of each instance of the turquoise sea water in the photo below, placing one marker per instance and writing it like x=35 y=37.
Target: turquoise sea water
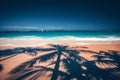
x=36 y=38
x=50 y=34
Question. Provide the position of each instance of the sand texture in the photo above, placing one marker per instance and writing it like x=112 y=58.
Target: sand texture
x=60 y=62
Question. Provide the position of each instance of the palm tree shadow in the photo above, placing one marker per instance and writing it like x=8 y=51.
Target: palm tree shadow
x=106 y=59
x=57 y=52
x=94 y=72
x=77 y=66
x=112 y=57
x=74 y=68
x=88 y=70
x=115 y=55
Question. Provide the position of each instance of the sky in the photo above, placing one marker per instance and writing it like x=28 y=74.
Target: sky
x=60 y=14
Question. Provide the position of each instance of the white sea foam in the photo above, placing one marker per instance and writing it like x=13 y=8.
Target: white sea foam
x=36 y=41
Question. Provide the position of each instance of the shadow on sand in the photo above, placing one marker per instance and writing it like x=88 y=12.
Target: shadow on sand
x=1 y=67
x=75 y=67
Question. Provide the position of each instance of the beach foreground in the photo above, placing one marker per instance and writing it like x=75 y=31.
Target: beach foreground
x=61 y=62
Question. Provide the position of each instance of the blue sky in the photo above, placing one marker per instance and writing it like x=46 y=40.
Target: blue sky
x=60 y=14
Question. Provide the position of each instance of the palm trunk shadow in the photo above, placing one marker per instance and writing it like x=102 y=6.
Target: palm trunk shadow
x=56 y=68
x=77 y=66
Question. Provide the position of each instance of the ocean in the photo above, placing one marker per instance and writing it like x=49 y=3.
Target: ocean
x=33 y=38
x=48 y=34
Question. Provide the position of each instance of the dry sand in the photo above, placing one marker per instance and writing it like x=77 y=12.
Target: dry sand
x=13 y=62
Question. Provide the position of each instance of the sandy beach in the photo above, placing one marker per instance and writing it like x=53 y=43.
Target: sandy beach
x=42 y=69
x=59 y=39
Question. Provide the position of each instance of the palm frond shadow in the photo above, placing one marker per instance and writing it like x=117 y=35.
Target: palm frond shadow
x=94 y=72
x=30 y=63
x=57 y=51
x=35 y=73
x=77 y=66
x=9 y=53
x=74 y=68
x=88 y=70
x=112 y=57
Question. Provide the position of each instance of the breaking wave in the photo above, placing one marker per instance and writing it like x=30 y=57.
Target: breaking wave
x=36 y=41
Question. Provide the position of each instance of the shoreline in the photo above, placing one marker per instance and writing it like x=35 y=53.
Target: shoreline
x=36 y=41
x=2 y=47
